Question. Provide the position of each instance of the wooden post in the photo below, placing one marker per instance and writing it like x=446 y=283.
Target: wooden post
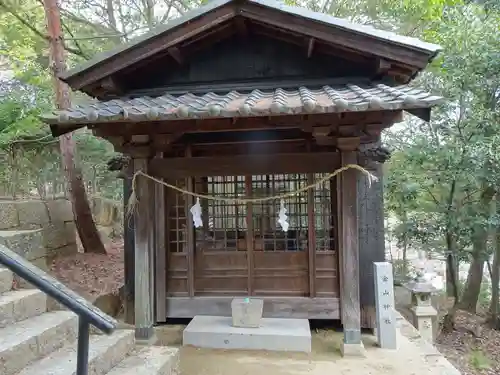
x=190 y=230
x=143 y=254
x=350 y=301
x=249 y=236
x=128 y=250
x=160 y=252
x=311 y=240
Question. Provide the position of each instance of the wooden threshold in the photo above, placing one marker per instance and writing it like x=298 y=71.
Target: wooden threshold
x=274 y=307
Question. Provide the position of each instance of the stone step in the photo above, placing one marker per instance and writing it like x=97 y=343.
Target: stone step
x=27 y=341
x=105 y=353
x=152 y=360
x=18 y=305
x=6 y=278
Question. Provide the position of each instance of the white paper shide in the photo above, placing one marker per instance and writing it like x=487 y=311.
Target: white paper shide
x=196 y=212
x=282 y=218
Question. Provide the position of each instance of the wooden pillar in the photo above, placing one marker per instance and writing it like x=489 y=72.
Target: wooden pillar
x=249 y=237
x=311 y=237
x=144 y=248
x=190 y=230
x=349 y=260
x=160 y=252
x=128 y=250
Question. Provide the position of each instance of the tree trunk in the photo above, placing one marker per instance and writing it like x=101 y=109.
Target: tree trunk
x=479 y=255
x=87 y=230
x=451 y=283
x=495 y=280
x=473 y=285
x=451 y=269
x=405 y=252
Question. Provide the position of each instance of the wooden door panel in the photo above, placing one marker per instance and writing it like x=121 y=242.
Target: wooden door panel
x=281 y=273
x=177 y=274
x=326 y=274
x=221 y=273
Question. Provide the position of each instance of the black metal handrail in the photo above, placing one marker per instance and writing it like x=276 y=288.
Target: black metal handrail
x=87 y=313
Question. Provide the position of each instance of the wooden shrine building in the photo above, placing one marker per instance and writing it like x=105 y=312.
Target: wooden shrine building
x=253 y=98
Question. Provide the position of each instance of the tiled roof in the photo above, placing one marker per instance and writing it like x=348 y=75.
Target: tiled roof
x=327 y=19
x=328 y=99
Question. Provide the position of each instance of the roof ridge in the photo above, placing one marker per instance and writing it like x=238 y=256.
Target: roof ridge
x=330 y=20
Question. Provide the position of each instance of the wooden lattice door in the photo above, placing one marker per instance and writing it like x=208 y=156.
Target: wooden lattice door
x=241 y=250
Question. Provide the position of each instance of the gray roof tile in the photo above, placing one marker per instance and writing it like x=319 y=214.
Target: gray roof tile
x=328 y=99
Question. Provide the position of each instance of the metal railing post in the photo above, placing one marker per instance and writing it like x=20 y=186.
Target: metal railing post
x=82 y=359
x=87 y=313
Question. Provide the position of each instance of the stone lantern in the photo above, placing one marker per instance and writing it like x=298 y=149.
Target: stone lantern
x=424 y=314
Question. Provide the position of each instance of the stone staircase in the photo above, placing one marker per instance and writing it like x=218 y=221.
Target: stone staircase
x=35 y=341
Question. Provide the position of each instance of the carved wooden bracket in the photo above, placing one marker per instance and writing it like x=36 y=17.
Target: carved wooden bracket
x=348 y=143
x=322 y=135
x=119 y=163
x=377 y=154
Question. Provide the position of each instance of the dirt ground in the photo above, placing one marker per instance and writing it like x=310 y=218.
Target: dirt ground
x=93 y=275
x=472 y=355
x=324 y=360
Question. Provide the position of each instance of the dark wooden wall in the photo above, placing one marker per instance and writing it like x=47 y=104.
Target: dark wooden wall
x=245 y=60
x=371 y=239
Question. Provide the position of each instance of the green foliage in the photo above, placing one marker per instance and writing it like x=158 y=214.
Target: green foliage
x=451 y=164
x=479 y=360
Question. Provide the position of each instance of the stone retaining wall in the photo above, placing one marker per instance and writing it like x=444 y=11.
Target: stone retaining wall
x=108 y=216
x=38 y=230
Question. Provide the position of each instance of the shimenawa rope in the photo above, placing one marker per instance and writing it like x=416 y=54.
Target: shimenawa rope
x=132 y=202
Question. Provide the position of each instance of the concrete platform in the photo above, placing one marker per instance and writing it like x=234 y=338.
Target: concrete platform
x=217 y=332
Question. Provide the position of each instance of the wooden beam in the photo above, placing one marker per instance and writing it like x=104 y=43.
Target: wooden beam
x=111 y=86
x=176 y=55
x=363 y=43
x=350 y=302
x=320 y=48
x=161 y=142
x=160 y=251
x=310 y=47
x=245 y=165
x=241 y=26
x=348 y=143
x=274 y=307
x=207 y=38
x=172 y=127
x=149 y=48
x=143 y=254
x=382 y=67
